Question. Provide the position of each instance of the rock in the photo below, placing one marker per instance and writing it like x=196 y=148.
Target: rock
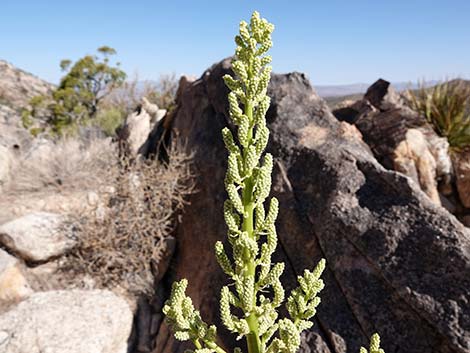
x=37 y=237
x=40 y=151
x=383 y=96
x=153 y=110
x=350 y=113
x=397 y=264
x=5 y=166
x=312 y=342
x=466 y=220
x=413 y=158
x=67 y=321
x=135 y=130
x=18 y=86
x=461 y=162
x=13 y=284
x=159 y=138
x=400 y=138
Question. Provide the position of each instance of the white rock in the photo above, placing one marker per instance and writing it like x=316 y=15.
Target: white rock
x=13 y=285
x=37 y=236
x=5 y=166
x=93 y=199
x=74 y=321
x=138 y=126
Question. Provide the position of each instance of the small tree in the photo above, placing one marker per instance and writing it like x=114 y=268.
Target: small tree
x=80 y=92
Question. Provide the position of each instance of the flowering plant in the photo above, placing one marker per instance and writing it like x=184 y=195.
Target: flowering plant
x=258 y=292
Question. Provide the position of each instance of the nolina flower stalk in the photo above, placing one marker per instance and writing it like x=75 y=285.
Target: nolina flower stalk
x=257 y=290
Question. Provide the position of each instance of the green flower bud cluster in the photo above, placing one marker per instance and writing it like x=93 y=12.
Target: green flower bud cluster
x=374 y=345
x=250 y=308
x=186 y=321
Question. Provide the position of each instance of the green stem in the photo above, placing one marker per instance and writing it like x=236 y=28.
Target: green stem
x=197 y=344
x=253 y=339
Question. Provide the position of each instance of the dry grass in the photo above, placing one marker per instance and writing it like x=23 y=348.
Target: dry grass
x=128 y=97
x=124 y=246
x=66 y=165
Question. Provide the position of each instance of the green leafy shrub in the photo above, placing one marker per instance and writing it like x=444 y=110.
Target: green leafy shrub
x=109 y=119
x=250 y=308
x=80 y=92
x=447 y=107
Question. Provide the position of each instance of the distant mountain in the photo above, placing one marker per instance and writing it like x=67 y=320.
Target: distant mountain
x=330 y=91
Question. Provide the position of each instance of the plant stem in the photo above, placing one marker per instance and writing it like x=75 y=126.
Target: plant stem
x=253 y=340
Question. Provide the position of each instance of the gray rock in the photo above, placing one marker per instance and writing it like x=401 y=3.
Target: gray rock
x=37 y=237
x=67 y=321
x=396 y=263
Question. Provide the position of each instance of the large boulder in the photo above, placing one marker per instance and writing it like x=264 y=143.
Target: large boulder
x=38 y=236
x=67 y=321
x=400 y=138
x=134 y=133
x=396 y=263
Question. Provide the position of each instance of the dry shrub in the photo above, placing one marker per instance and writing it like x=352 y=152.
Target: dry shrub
x=123 y=246
x=70 y=164
x=129 y=96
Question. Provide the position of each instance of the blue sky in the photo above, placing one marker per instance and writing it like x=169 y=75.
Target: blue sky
x=334 y=42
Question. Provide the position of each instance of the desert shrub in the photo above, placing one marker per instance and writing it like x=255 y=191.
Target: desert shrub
x=164 y=92
x=446 y=106
x=109 y=119
x=69 y=164
x=123 y=246
x=77 y=98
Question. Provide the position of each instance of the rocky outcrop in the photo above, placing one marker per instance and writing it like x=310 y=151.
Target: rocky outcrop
x=134 y=133
x=17 y=87
x=137 y=129
x=67 y=321
x=37 y=237
x=397 y=263
x=400 y=138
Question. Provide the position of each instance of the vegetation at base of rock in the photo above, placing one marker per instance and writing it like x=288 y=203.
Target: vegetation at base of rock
x=122 y=246
x=252 y=311
x=447 y=107
x=66 y=165
x=79 y=94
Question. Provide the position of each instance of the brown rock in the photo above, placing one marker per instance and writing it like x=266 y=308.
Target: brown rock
x=397 y=264
x=400 y=138
x=461 y=162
